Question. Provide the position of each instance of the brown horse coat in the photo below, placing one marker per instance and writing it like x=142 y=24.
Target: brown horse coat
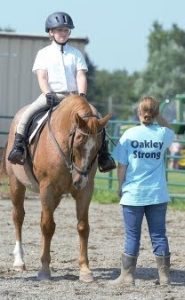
x=64 y=162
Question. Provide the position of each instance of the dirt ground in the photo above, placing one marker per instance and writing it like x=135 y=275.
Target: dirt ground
x=105 y=245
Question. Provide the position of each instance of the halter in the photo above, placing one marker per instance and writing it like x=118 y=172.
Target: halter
x=69 y=159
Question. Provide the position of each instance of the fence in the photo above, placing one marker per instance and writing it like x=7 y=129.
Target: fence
x=174 y=173
x=108 y=181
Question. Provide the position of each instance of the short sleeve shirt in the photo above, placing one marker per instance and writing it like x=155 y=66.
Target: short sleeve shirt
x=142 y=149
x=61 y=68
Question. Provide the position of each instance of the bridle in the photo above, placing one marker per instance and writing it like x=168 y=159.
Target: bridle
x=69 y=160
x=85 y=170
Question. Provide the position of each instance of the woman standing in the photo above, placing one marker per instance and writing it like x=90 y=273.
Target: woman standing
x=143 y=189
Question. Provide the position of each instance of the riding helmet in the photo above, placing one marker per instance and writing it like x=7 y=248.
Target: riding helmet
x=58 y=19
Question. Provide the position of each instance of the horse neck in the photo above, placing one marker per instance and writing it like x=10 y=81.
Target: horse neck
x=74 y=106
x=64 y=115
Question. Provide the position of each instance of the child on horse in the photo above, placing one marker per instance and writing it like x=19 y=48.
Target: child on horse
x=143 y=189
x=61 y=71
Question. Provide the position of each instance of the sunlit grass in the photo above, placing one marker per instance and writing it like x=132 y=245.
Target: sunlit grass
x=106 y=189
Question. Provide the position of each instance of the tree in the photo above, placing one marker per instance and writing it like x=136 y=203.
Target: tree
x=164 y=75
x=114 y=92
x=7 y=29
x=110 y=92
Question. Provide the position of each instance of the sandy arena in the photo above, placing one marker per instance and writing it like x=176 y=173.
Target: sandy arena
x=105 y=244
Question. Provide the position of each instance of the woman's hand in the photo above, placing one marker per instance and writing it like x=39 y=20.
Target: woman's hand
x=120 y=193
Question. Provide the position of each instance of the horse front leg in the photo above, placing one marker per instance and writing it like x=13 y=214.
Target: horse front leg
x=83 y=231
x=48 y=228
x=17 y=191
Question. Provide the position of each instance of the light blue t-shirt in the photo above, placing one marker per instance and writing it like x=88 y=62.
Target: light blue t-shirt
x=142 y=149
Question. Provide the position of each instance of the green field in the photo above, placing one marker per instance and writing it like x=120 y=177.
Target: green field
x=106 y=188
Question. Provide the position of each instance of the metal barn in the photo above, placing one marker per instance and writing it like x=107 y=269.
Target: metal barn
x=18 y=85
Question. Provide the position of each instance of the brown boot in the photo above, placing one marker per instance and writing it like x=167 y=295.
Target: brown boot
x=128 y=266
x=163 y=265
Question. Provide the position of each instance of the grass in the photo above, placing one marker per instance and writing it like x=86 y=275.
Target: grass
x=105 y=191
x=105 y=197
x=177 y=205
x=4 y=188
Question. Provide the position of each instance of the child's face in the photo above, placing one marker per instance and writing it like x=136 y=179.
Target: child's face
x=61 y=35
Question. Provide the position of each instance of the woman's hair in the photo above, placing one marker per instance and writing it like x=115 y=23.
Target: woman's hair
x=148 y=105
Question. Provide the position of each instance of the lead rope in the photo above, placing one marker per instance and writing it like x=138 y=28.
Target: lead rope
x=110 y=138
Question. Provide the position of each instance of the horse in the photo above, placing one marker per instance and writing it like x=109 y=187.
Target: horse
x=63 y=160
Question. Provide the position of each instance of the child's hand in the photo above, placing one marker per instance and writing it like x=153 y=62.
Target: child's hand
x=52 y=99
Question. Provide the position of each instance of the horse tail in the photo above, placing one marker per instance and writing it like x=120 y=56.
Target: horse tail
x=3 y=171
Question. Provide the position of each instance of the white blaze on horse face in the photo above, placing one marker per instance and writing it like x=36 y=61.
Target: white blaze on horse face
x=88 y=148
x=88 y=158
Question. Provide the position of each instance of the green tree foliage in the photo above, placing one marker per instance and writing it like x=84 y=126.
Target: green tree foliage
x=7 y=29
x=164 y=75
x=111 y=92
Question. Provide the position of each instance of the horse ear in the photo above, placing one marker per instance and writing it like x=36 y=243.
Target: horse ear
x=103 y=121
x=79 y=121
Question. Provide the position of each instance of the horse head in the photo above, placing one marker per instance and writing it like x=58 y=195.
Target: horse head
x=84 y=144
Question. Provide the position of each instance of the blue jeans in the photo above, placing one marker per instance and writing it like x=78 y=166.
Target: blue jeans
x=156 y=220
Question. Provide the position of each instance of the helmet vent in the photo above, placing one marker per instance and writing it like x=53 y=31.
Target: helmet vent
x=57 y=19
x=65 y=19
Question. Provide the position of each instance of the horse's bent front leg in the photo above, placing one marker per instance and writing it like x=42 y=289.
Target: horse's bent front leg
x=83 y=230
x=48 y=229
x=17 y=191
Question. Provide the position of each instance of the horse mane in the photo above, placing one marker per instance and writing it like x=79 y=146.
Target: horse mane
x=73 y=105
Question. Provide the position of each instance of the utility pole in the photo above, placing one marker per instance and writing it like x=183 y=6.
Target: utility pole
x=110 y=106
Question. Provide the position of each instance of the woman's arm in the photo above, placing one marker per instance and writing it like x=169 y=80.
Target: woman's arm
x=162 y=121
x=121 y=171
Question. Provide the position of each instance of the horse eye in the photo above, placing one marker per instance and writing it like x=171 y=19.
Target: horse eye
x=80 y=139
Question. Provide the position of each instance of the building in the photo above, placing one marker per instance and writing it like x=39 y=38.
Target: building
x=18 y=85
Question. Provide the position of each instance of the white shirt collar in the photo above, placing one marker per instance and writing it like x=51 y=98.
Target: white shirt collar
x=57 y=46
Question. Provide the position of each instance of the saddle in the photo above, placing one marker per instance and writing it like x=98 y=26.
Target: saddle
x=36 y=124
x=32 y=133
x=33 y=130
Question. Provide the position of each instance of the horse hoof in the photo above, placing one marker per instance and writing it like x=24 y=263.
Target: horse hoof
x=86 y=277
x=44 y=275
x=19 y=268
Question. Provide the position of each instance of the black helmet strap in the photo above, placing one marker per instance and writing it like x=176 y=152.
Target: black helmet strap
x=61 y=44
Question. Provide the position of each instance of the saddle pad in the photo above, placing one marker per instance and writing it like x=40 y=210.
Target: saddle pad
x=39 y=123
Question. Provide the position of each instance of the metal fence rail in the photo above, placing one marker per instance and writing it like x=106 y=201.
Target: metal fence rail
x=108 y=181
x=175 y=177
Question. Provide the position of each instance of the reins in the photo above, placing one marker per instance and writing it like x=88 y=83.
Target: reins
x=68 y=164
x=69 y=159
